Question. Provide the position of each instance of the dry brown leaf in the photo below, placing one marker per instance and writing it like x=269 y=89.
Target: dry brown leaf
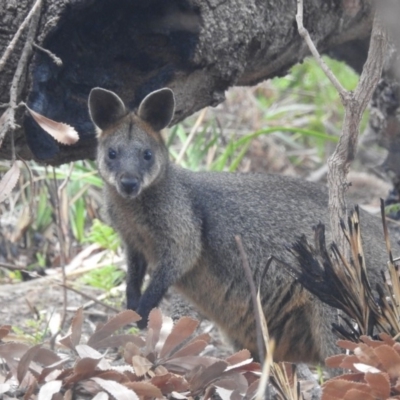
x=342 y=361
x=353 y=377
x=205 y=376
x=86 y=351
x=182 y=364
x=141 y=365
x=169 y=383
x=347 y=345
x=145 y=389
x=203 y=337
x=244 y=365
x=334 y=361
x=389 y=359
x=12 y=352
x=339 y=387
x=9 y=180
x=252 y=390
x=387 y=339
x=183 y=328
x=62 y=133
x=165 y=331
x=253 y=367
x=235 y=382
x=113 y=375
x=119 y=321
x=118 y=391
x=370 y=342
x=25 y=361
x=46 y=357
x=354 y=394
x=160 y=370
x=349 y=361
x=119 y=340
x=238 y=357
x=366 y=355
x=154 y=326
x=48 y=389
x=379 y=383
x=4 y=331
x=32 y=388
x=50 y=368
x=130 y=350
x=23 y=223
x=73 y=338
x=76 y=327
x=192 y=349
x=86 y=366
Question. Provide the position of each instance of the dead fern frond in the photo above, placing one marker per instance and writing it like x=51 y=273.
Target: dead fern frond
x=344 y=284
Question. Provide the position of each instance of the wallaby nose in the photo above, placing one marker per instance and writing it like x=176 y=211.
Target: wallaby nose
x=129 y=184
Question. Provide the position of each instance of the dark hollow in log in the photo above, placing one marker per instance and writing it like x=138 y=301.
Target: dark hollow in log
x=198 y=48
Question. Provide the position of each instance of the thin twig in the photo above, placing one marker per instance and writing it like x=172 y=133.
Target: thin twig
x=92 y=298
x=14 y=40
x=12 y=267
x=191 y=135
x=253 y=292
x=15 y=90
x=372 y=70
x=339 y=162
x=54 y=58
x=355 y=104
x=32 y=200
x=304 y=34
x=62 y=255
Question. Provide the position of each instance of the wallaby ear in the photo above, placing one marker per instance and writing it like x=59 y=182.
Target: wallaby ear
x=105 y=108
x=158 y=108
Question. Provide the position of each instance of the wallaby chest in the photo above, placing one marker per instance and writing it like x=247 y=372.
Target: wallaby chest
x=133 y=224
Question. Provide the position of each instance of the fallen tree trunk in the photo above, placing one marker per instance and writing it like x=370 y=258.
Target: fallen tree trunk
x=198 y=48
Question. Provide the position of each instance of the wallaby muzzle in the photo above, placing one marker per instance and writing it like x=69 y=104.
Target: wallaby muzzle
x=129 y=185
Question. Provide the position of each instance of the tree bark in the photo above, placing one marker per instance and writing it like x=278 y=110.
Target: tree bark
x=199 y=48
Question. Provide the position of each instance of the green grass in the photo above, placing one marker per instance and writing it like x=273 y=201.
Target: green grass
x=302 y=109
x=103 y=235
x=103 y=278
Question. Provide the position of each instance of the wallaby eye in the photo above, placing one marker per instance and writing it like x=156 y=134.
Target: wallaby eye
x=147 y=155
x=112 y=154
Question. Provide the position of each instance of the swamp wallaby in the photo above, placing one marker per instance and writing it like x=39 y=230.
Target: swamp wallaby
x=181 y=226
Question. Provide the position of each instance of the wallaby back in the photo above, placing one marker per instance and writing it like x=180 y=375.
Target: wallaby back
x=180 y=225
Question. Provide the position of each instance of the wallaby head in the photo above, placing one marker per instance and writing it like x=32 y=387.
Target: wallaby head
x=131 y=153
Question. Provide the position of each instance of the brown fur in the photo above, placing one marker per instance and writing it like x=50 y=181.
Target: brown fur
x=180 y=226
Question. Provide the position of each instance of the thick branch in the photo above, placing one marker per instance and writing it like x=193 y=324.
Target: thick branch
x=355 y=104
x=198 y=48
x=306 y=36
x=339 y=162
x=17 y=83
